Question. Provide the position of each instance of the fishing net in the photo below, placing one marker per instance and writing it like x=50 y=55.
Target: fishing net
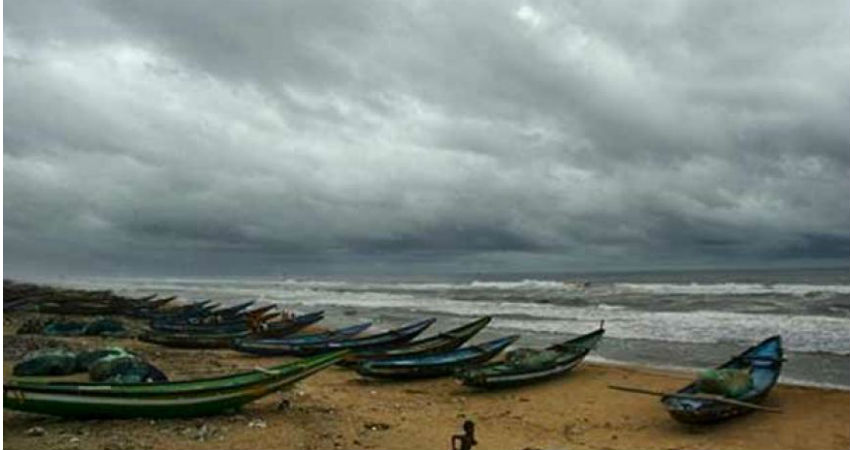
x=124 y=369
x=102 y=327
x=64 y=329
x=531 y=358
x=53 y=361
x=85 y=359
x=731 y=383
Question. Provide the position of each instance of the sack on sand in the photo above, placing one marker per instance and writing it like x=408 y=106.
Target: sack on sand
x=124 y=369
x=731 y=383
x=53 y=361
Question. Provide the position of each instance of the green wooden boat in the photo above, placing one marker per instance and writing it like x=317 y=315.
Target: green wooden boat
x=525 y=366
x=158 y=400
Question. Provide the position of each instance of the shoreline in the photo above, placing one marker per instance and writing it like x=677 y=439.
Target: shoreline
x=688 y=370
x=336 y=408
x=818 y=353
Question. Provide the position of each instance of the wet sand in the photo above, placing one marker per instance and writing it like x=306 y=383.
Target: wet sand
x=336 y=408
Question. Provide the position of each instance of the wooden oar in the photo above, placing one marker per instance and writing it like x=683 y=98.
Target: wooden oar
x=717 y=398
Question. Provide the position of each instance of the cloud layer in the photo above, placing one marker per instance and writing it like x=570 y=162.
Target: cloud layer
x=254 y=137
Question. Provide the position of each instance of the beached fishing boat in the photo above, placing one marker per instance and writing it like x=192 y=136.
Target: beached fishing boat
x=149 y=308
x=214 y=316
x=435 y=364
x=235 y=309
x=88 y=303
x=215 y=323
x=526 y=366
x=386 y=339
x=195 y=309
x=231 y=326
x=225 y=339
x=158 y=400
x=442 y=342
x=247 y=344
x=30 y=297
x=764 y=362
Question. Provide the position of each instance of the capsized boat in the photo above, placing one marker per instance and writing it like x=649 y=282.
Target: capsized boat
x=526 y=366
x=764 y=362
x=435 y=364
x=386 y=339
x=158 y=400
x=442 y=342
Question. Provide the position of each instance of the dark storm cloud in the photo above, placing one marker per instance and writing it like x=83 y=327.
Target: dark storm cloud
x=234 y=136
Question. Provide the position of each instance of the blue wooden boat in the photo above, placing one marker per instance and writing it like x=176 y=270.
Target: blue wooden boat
x=764 y=361
x=439 y=343
x=389 y=338
x=247 y=344
x=526 y=366
x=434 y=365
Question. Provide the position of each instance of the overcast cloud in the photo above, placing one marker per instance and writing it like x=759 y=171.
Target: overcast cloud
x=223 y=137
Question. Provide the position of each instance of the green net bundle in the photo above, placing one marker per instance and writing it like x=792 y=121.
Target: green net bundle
x=52 y=361
x=727 y=382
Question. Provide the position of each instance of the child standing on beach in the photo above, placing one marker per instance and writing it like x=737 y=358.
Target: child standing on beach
x=466 y=440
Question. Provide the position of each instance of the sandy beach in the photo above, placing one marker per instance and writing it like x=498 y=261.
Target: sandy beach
x=336 y=408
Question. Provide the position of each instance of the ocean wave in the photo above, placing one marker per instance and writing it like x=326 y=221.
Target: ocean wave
x=484 y=286
x=731 y=289
x=607 y=307
x=702 y=324
x=801 y=333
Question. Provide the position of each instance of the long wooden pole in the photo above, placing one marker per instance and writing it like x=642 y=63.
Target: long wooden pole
x=717 y=398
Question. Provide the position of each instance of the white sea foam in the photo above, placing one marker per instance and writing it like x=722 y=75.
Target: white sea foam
x=249 y=285
x=731 y=288
x=607 y=307
x=800 y=333
x=808 y=333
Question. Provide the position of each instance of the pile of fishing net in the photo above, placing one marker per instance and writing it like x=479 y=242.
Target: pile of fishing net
x=110 y=365
x=731 y=383
x=99 y=327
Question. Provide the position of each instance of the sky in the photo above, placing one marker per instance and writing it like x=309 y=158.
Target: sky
x=273 y=137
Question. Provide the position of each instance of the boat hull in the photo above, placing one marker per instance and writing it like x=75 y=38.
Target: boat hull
x=443 y=342
x=765 y=363
x=160 y=400
x=434 y=365
x=388 y=339
x=504 y=374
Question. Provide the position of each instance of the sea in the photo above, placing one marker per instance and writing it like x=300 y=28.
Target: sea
x=668 y=320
